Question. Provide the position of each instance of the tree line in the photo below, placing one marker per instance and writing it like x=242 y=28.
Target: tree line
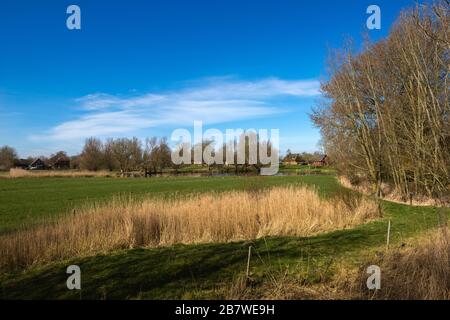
x=385 y=116
x=151 y=156
x=125 y=155
x=122 y=154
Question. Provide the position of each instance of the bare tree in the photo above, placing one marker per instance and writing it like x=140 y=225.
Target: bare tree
x=157 y=155
x=128 y=153
x=91 y=157
x=58 y=155
x=8 y=156
x=386 y=117
x=109 y=159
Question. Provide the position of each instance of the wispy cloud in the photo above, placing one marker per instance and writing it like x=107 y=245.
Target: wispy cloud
x=214 y=100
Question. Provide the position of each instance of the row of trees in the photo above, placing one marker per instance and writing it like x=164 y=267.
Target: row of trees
x=115 y=154
x=152 y=156
x=125 y=154
x=155 y=154
x=387 y=114
x=10 y=159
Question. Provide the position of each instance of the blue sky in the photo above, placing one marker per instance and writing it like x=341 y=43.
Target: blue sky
x=145 y=68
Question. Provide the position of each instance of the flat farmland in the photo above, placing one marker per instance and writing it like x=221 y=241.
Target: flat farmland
x=203 y=270
x=28 y=201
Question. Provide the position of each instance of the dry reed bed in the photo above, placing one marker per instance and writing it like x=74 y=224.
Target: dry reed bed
x=20 y=173
x=231 y=216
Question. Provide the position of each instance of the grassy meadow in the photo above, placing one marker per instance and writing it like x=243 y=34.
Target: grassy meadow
x=207 y=254
x=27 y=201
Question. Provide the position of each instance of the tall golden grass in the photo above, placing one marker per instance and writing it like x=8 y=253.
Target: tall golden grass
x=20 y=173
x=232 y=216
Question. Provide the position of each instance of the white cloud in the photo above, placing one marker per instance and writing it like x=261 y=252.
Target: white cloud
x=214 y=100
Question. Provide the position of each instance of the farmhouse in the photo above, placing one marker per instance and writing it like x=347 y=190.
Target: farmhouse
x=22 y=163
x=290 y=161
x=321 y=163
x=37 y=164
x=61 y=163
x=294 y=159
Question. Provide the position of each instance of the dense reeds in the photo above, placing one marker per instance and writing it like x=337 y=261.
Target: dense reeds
x=20 y=173
x=231 y=216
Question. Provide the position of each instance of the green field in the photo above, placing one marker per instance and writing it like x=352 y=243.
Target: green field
x=27 y=201
x=190 y=271
x=299 y=169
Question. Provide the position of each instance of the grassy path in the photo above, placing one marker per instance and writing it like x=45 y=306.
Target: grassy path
x=197 y=271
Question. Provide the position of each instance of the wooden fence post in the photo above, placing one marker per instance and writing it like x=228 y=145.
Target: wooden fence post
x=388 y=234
x=248 y=261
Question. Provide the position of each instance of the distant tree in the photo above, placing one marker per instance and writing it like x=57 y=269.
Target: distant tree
x=165 y=159
x=109 y=159
x=179 y=150
x=75 y=162
x=299 y=159
x=149 y=162
x=311 y=157
x=157 y=155
x=91 y=157
x=58 y=155
x=247 y=152
x=208 y=147
x=7 y=157
x=128 y=153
